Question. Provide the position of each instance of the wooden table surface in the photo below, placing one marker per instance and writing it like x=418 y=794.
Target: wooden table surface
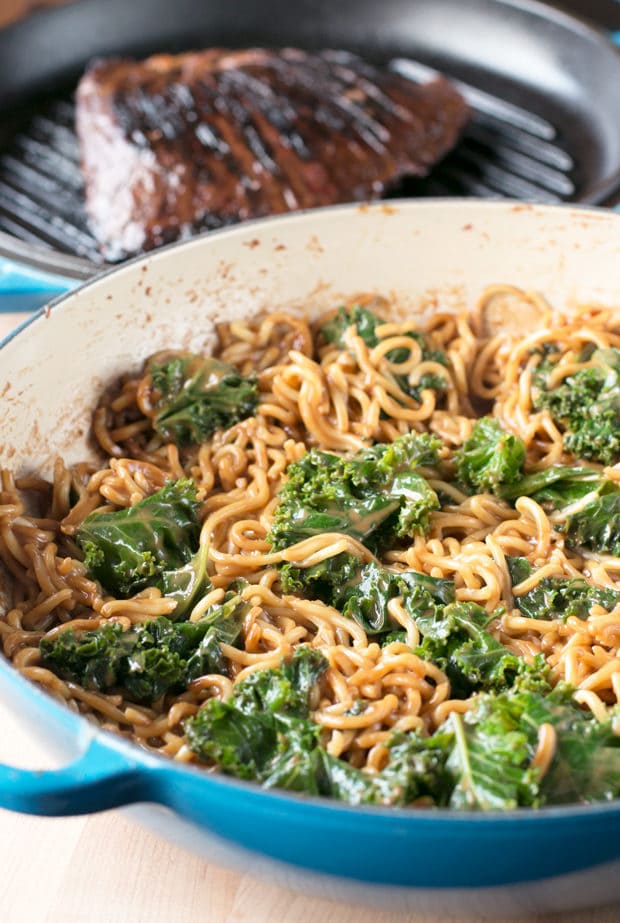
x=105 y=869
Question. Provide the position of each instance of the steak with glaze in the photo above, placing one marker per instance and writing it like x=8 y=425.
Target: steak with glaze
x=177 y=144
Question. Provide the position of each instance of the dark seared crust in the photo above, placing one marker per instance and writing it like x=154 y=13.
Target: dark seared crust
x=180 y=143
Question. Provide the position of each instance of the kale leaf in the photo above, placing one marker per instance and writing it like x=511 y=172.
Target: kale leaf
x=366 y=323
x=496 y=740
x=586 y=404
x=194 y=396
x=587 y=504
x=264 y=731
x=490 y=457
x=454 y=634
x=129 y=549
x=326 y=581
x=559 y=597
x=586 y=763
x=416 y=769
x=483 y=759
x=457 y=641
x=479 y=761
x=558 y=485
x=490 y=757
x=424 y=597
x=187 y=584
x=371 y=496
x=150 y=660
x=362 y=591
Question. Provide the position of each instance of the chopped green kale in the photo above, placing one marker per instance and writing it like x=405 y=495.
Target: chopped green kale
x=416 y=769
x=197 y=395
x=490 y=457
x=559 y=485
x=455 y=635
x=586 y=404
x=372 y=496
x=587 y=505
x=479 y=761
x=586 y=764
x=559 y=597
x=130 y=549
x=366 y=323
x=496 y=740
x=187 y=584
x=326 y=581
x=490 y=757
x=151 y=660
x=424 y=598
x=264 y=731
x=398 y=636
x=482 y=760
x=362 y=591
x=456 y=639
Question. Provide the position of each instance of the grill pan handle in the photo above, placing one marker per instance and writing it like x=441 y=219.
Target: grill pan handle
x=101 y=778
x=26 y=288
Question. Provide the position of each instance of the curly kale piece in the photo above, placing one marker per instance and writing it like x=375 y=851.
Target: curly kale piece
x=558 y=486
x=495 y=742
x=372 y=496
x=586 y=764
x=586 y=404
x=398 y=636
x=455 y=635
x=151 y=660
x=586 y=505
x=264 y=730
x=479 y=761
x=456 y=639
x=130 y=549
x=195 y=395
x=489 y=759
x=416 y=769
x=366 y=323
x=326 y=581
x=596 y=524
x=482 y=760
x=362 y=591
x=424 y=598
x=187 y=584
x=490 y=457
x=558 y=597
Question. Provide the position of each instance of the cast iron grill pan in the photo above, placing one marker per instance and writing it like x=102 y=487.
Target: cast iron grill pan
x=527 y=139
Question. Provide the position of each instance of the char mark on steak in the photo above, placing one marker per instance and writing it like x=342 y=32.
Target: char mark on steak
x=177 y=144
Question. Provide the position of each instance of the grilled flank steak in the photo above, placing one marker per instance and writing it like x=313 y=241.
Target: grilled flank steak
x=178 y=144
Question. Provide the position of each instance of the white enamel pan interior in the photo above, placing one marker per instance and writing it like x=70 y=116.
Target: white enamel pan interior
x=420 y=254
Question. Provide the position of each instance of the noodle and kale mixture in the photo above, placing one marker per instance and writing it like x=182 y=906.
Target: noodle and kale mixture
x=372 y=560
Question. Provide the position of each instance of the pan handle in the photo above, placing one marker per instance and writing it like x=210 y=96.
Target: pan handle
x=26 y=288
x=101 y=778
